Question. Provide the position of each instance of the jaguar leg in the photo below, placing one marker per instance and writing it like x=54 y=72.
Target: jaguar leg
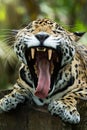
x=11 y=100
x=66 y=109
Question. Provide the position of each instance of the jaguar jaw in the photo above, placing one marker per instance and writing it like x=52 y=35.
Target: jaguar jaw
x=41 y=62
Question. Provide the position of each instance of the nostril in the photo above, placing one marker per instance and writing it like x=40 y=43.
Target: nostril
x=41 y=37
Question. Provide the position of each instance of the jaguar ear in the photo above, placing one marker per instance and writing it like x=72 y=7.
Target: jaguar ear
x=78 y=35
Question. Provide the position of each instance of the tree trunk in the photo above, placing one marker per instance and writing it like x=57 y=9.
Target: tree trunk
x=26 y=117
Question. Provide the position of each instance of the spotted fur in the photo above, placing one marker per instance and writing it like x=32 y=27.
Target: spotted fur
x=70 y=82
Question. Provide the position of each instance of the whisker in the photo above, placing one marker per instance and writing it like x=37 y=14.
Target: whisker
x=8 y=40
x=4 y=36
x=9 y=48
x=14 y=32
x=7 y=53
x=7 y=36
x=5 y=29
x=11 y=58
x=9 y=32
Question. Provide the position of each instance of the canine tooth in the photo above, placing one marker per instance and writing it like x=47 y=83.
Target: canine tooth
x=49 y=54
x=32 y=53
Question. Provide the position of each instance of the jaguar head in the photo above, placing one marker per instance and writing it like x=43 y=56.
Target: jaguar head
x=45 y=47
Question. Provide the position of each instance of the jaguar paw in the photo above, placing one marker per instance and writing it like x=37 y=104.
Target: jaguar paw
x=65 y=112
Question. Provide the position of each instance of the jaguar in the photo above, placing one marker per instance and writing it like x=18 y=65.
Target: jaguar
x=53 y=70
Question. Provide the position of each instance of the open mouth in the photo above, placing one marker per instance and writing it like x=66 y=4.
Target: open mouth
x=43 y=64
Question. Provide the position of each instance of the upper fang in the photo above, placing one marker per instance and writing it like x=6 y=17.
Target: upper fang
x=32 y=53
x=49 y=54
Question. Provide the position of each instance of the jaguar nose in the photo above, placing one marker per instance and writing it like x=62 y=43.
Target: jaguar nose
x=41 y=37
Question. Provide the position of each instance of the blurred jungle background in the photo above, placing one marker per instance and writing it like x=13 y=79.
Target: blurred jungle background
x=15 y=14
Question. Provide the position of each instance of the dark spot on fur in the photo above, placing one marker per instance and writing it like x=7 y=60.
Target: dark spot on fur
x=70 y=53
x=66 y=50
x=80 y=89
x=76 y=65
x=54 y=31
x=85 y=51
x=67 y=58
x=76 y=74
x=79 y=81
x=70 y=69
x=81 y=94
x=70 y=82
x=70 y=113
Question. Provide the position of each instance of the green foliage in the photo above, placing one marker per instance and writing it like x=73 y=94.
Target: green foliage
x=2 y=13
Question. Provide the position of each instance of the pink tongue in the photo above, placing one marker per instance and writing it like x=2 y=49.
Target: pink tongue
x=43 y=85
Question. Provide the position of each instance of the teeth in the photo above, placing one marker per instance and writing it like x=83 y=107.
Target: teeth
x=41 y=49
x=49 y=54
x=32 y=53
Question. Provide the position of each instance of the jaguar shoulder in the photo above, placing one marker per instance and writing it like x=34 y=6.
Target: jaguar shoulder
x=53 y=70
